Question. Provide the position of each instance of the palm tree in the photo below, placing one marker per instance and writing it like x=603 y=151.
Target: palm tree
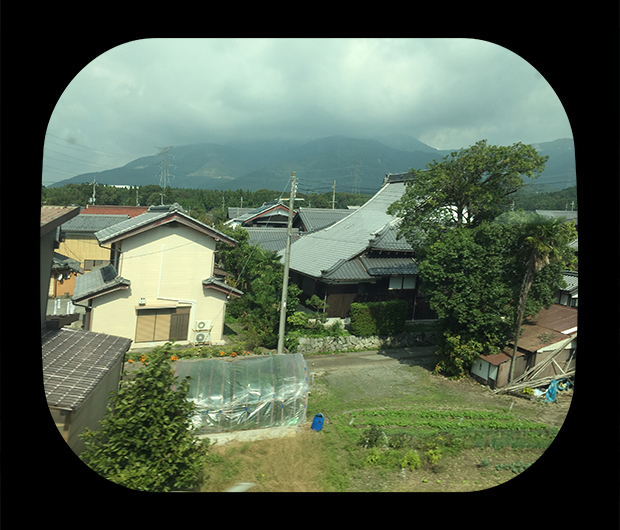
x=544 y=244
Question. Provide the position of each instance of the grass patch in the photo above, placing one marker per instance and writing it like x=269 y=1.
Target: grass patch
x=293 y=463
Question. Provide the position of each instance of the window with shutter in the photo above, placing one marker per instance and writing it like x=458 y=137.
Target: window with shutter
x=162 y=324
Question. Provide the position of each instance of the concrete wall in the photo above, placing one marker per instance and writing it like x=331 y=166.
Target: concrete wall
x=166 y=266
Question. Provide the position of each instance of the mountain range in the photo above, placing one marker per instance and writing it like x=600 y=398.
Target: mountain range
x=356 y=164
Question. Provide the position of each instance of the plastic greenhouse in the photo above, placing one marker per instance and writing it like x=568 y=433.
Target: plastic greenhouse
x=246 y=393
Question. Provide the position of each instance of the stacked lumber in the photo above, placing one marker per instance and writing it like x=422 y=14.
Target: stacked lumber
x=529 y=377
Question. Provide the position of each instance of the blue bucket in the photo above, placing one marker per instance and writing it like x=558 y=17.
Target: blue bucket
x=317 y=422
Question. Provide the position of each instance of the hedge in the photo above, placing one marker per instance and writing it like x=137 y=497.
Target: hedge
x=378 y=318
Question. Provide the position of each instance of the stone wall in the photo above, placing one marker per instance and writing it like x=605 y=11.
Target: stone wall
x=353 y=343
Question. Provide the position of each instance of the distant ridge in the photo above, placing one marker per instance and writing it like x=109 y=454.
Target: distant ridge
x=354 y=163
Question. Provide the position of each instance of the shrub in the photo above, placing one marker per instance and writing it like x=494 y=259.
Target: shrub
x=457 y=356
x=378 y=318
x=144 y=441
x=411 y=460
x=371 y=437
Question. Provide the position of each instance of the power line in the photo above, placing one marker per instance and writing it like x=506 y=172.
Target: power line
x=75 y=145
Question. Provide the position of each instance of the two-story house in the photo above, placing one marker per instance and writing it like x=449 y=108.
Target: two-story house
x=160 y=284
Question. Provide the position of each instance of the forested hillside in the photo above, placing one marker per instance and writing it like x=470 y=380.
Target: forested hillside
x=210 y=204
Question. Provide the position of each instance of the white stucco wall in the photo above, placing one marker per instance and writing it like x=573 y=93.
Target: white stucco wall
x=166 y=266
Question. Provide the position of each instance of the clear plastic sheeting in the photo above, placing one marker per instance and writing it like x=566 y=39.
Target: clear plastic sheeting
x=246 y=393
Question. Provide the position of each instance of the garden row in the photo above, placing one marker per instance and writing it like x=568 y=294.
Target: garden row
x=410 y=438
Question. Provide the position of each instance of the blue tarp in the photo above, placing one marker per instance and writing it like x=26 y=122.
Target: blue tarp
x=552 y=391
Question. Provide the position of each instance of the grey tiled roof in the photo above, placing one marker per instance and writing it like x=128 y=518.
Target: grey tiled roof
x=273 y=239
x=572 y=280
x=351 y=270
x=387 y=239
x=385 y=266
x=350 y=237
x=62 y=263
x=91 y=223
x=75 y=361
x=220 y=285
x=92 y=283
x=155 y=213
x=316 y=218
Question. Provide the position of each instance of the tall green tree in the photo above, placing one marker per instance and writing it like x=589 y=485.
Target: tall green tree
x=464 y=188
x=476 y=279
x=468 y=275
x=259 y=274
x=545 y=241
x=144 y=441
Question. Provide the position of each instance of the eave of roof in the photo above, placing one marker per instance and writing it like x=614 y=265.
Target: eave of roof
x=53 y=216
x=153 y=219
x=97 y=283
x=218 y=285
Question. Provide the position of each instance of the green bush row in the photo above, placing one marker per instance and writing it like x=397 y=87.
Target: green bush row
x=378 y=318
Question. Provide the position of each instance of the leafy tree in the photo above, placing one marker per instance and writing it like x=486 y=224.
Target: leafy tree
x=468 y=275
x=464 y=188
x=475 y=280
x=545 y=241
x=144 y=441
x=259 y=274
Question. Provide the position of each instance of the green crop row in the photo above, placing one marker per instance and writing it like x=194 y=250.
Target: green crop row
x=432 y=414
x=514 y=425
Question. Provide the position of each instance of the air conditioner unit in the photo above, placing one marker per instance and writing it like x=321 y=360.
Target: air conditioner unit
x=201 y=337
x=202 y=325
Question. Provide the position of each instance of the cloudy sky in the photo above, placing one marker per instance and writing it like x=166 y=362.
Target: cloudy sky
x=448 y=93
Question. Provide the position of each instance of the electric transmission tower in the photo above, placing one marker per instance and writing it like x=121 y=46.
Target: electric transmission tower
x=164 y=174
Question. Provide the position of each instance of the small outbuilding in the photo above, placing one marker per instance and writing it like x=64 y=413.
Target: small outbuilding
x=552 y=333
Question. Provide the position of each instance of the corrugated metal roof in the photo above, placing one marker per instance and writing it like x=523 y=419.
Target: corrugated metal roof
x=548 y=327
x=130 y=211
x=75 y=361
x=92 y=223
x=347 y=238
x=54 y=216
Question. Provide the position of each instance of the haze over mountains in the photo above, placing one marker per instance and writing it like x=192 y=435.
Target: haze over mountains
x=356 y=164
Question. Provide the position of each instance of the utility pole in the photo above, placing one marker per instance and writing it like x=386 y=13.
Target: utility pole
x=356 y=181
x=287 y=260
x=92 y=199
x=334 y=196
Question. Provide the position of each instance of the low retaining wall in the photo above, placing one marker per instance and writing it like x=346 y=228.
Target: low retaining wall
x=353 y=343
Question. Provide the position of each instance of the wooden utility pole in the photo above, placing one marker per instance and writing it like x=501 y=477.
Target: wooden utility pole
x=287 y=260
